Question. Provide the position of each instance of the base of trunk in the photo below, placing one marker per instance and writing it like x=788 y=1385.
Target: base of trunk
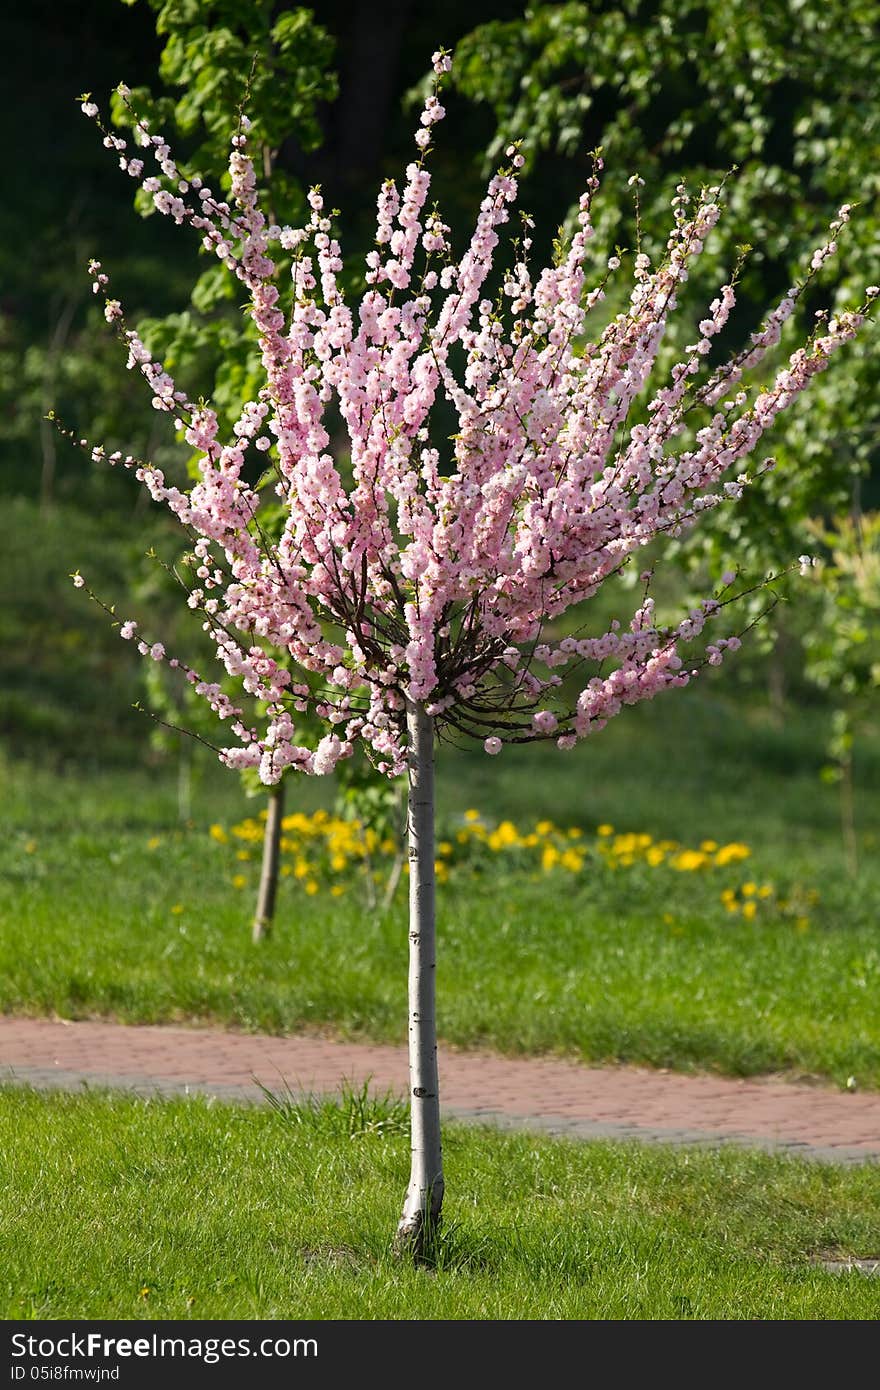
x=416 y=1234
x=261 y=928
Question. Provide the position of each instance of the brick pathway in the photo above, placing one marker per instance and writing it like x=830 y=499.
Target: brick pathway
x=558 y=1097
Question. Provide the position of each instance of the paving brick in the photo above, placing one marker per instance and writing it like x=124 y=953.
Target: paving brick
x=549 y=1094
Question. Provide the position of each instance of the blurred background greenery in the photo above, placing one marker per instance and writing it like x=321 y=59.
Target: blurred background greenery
x=784 y=742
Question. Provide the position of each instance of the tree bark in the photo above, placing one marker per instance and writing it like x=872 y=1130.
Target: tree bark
x=271 y=858
x=424 y=1196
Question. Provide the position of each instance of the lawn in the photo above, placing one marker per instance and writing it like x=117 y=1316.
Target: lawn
x=110 y=906
x=122 y=1208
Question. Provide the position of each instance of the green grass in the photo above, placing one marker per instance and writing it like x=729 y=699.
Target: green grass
x=643 y=966
x=119 y=1208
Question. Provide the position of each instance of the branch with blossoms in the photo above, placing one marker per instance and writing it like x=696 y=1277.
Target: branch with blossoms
x=414 y=587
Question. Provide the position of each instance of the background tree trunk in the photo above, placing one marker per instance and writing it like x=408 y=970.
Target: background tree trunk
x=424 y=1197
x=271 y=857
x=848 y=816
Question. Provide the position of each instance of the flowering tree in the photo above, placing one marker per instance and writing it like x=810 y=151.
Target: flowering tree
x=412 y=588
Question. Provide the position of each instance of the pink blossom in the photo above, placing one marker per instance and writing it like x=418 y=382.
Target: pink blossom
x=545 y=721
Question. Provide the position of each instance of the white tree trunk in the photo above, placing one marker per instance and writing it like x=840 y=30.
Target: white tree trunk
x=424 y=1197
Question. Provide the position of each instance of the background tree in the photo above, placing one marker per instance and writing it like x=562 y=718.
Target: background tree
x=842 y=644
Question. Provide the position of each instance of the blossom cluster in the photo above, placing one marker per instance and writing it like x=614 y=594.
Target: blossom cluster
x=410 y=569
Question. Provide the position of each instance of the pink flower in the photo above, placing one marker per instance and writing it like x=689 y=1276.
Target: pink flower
x=545 y=721
x=492 y=745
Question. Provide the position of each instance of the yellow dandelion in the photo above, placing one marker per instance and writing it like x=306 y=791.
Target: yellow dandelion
x=549 y=857
x=749 y=890
x=472 y=815
x=444 y=848
x=505 y=837
x=177 y=909
x=153 y=843
x=31 y=846
x=668 y=918
x=544 y=827
x=508 y=833
x=687 y=860
x=708 y=846
x=337 y=890
x=239 y=881
x=248 y=830
x=311 y=888
x=242 y=854
x=765 y=891
x=219 y=834
x=749 y=910
x=574 y=833
x=655 y=855
x=570 y=859
x=604 y=830
x=729 y=854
